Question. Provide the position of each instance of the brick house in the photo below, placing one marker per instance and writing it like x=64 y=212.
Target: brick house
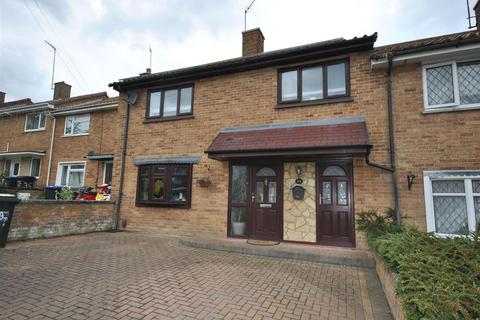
x=291 y=144
x=63 y=141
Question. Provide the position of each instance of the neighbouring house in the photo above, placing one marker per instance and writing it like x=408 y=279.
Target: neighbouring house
x=67 y=141
x=291 y=144
x=436 y=106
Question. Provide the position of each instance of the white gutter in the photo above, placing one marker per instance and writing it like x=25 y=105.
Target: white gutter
x=51 y=148
x=427 y=55
x=110 y=106
x=26 y=108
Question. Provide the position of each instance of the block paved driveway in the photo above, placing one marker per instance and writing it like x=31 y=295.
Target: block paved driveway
x=137 y=276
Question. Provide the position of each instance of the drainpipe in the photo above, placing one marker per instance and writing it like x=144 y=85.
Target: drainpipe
x=391 y=143
x=50 y=152
x=122 y=166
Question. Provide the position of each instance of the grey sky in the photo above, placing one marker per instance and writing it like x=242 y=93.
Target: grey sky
x=101 y=41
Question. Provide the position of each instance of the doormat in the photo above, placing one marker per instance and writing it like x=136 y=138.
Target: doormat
x=256 y=242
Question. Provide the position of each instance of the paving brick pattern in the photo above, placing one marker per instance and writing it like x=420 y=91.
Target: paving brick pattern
x=137 y=276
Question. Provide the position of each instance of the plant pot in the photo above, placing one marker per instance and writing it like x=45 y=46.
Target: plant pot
x=238 y=228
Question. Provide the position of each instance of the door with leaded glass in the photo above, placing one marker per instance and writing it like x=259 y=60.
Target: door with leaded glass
x=335 y=221
x=266 y=202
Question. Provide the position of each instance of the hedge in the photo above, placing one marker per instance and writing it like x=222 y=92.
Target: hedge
x=438 y=278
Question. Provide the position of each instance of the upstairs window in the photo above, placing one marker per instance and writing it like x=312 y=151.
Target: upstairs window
x=311 y=83
x=77 y=125
x=451 y=84
x=170 y=102
x=35 y=121
x=164 y=185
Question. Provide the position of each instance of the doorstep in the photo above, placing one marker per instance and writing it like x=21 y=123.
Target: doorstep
x=315 y=253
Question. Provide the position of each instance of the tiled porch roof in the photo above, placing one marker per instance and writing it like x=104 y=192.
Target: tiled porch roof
x=342 y=135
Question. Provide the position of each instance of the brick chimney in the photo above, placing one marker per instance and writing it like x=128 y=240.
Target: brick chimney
x=61 y=91
x=252 y=42
x=2 y=97
x=476 y=9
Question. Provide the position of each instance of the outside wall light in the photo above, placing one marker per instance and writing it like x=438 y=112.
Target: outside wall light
x=410 y=178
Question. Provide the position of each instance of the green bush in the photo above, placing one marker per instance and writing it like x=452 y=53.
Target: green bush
x=65 y=194
x=438 y=278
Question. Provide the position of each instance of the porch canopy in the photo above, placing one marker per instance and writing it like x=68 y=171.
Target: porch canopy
x=337 y=136
x=20 y=154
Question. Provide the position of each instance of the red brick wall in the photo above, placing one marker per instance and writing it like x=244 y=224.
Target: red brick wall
x=102 y=138
x=436 y=141
x=43 y=218
x=246 y=98
x=12 y=133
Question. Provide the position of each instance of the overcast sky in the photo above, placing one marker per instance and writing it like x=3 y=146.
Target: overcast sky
x=101 y=41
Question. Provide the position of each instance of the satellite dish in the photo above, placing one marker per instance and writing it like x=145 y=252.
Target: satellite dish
x=132 y=97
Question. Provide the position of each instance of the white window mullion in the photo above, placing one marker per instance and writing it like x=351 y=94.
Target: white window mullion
x=427 y=182
x=456 y=91
x=470 y=205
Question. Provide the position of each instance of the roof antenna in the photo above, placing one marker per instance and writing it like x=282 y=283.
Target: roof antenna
x=53 y=71
x=469 y=18
x=245 y=15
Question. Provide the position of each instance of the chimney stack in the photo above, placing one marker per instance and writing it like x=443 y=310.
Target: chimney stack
x=476 y=9
x=147 y=71
x=2 y=97
x=252 y=42
x=61 y=91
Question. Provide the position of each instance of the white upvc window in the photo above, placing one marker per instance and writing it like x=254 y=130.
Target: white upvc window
x=451 y=85
x=35 y=121
x=77 y=125
x=71 y=174
x=452 y=201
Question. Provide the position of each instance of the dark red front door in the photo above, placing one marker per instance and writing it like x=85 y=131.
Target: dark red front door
x=335 y=224
x=265 y=209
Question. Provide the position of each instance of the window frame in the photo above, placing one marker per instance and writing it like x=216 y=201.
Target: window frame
x=429 y=177
x=105 y=163
x=39 y=167
x=167 y=180
x=39 y=122
x=65 y=134
x=456 y=104
x=58 y=180
x=178 y=114
x=324 y=65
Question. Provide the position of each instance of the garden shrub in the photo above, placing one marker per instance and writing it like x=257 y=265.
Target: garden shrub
x=437 y=278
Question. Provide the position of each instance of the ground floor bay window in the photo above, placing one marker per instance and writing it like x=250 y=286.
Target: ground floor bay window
x=164 y=185
x=452 y=201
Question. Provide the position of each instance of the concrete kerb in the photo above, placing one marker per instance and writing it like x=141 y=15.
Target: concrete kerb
x=271 y=251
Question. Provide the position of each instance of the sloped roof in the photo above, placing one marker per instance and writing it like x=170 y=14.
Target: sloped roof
x=427 y=43
x=16 y=103
x=256 y=61
x=335 y=134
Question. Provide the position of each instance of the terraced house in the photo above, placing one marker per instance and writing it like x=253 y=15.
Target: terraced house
x=291 y=144
x=68 y=141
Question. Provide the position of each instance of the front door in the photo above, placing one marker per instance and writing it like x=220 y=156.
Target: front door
x=335 y=224
x=265 y=208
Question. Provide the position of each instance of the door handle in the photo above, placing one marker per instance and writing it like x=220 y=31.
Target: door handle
x=253 y=197
x=319 y=198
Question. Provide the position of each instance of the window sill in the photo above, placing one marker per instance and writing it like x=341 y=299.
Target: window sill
x=165 y=205
x=75 y=135
x=452 y=109
x=34 y=130
x=313 y=102
x=149 y=120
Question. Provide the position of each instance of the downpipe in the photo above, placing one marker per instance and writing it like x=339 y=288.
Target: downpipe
x=391 y=142
x=122 y=166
